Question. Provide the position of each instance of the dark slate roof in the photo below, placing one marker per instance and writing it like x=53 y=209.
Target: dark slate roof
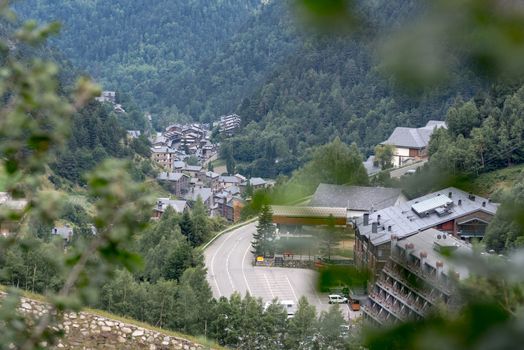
x=171 y=176
x=134 y=133
x=178 y=164
x=193 y=168
x=426 y=241
x=229 y=179
x=257 y=181
x=162 y=149
x=409 y=137
x=414 y=137
x=212 y=174
x=205 y=193
x=354 y=197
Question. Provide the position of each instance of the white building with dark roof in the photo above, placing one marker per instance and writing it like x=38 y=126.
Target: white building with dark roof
x=412 y=143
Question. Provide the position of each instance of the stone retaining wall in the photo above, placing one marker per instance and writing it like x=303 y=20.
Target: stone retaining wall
x=85 y=330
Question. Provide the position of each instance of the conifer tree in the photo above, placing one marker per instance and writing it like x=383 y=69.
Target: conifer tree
x=263 y=238
x=186 y=226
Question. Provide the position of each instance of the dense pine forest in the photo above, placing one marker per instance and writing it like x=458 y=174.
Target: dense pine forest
x=157 y=52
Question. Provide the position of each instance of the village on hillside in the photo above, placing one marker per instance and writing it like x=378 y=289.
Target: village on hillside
x=185 y=153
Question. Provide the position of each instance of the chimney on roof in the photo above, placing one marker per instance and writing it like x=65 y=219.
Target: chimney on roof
x=378 y=219
x=389 y=228
x=471 y=197
x=450 y=194
x=394 y=241
x=460 y=202
x=440 y=266
x=423 y=256
x=366 y=219
x=373 y=227
x=484 y=203
x=409 y=248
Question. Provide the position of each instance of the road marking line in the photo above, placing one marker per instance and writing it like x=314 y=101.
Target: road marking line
x=269 y=286
x=213 y=263
x=292 y=289
x=243 y=273
x=227 y=265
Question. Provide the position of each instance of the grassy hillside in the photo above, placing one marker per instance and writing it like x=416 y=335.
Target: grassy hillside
x=489 y=183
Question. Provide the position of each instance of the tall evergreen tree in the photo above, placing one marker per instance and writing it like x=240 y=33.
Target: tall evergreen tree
x=186 y=226
x=199 y=222
x=263 y=238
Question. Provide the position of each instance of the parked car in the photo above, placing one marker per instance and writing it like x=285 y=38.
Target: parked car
x=337 y=299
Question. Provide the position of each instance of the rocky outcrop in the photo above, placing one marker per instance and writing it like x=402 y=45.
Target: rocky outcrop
x=86 y=330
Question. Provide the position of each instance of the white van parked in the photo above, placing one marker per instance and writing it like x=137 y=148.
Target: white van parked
x=337 y=299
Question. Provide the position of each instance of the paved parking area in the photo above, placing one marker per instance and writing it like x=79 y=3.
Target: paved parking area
x=229 y=269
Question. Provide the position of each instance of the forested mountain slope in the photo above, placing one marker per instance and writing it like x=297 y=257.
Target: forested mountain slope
x=333 y=86
x=140 y=46
x=202 y=59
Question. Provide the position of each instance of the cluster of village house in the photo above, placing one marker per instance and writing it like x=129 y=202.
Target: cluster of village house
x=221 y=194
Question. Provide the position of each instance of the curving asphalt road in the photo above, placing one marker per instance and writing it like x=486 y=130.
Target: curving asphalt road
x=229 y=269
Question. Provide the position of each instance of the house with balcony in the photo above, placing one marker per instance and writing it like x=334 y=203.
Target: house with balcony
x=229 y=125
x=163 y=156
x=228 y=206
x=416 y=278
